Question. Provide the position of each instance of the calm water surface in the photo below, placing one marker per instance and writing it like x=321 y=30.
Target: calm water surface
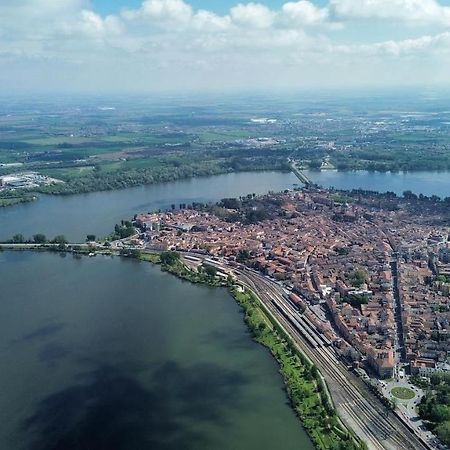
x=111 y=354
x=96 y=213
x=427 y=183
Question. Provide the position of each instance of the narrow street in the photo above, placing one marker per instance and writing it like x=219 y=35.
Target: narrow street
x=400 y=351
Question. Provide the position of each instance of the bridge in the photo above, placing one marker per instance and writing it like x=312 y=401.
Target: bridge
x=300 y=175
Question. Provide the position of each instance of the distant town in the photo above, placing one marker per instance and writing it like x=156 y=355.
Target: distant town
x=26 y=180
x=92 y=147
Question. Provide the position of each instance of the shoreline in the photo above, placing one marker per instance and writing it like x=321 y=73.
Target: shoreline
x=304 y=386
x=295 y=368
x=39 y=192
x=292 y=362
x=35 y=194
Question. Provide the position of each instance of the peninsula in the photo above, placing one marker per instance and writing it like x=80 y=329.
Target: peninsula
x=358 y=282
x=362 y=277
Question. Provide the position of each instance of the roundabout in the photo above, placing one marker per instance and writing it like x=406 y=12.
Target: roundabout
x=403 y=393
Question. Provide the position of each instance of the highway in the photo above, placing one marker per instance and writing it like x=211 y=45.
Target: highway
x=355 y=404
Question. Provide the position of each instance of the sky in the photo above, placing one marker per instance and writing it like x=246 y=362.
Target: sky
x=106 y=46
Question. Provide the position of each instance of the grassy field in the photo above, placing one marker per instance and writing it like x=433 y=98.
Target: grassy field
x=58 y=140
x=225 y=136
x=150 y=257
x=68 y=173
x=403 y=393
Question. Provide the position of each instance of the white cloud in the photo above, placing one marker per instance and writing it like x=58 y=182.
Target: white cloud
x=90 y=24
x=304 y=12
x=164 y=10
x=253 y=15
x=208 y=21
x=168 y=42
x=412 y=11
x=177 y=15
x=416 y=47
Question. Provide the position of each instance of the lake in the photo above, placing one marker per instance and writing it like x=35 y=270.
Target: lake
x=96 y=213
x=76 y=216
x=426 y=183
x=113 y=354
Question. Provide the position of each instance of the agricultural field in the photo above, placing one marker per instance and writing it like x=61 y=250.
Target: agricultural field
x=98 y=143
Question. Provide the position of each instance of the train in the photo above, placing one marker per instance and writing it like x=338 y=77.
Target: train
x=303 y=325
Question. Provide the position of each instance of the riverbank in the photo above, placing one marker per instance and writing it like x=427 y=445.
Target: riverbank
x=104 y=180
x=8 y=198
x=304 y=386
x=419 y=182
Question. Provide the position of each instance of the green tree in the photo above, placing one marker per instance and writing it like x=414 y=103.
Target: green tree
x=230 y=203
x=169 y=258
x=262 y=327
x=211 y=271
x=90 y=238
x=243 y=256
x=18 y=239
x=135 y=253
x=39 y=238
x=409 y=195
x=60 y=239
x=440 y=413
x=124 y=230
x=358 y=277
x=443 y=432
x=315 y=164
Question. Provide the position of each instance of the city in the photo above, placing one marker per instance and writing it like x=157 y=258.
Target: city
x=224 y=225
x=373 y=278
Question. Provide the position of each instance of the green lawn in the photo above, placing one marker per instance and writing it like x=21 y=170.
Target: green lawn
x=403 y=393
x=151 y=257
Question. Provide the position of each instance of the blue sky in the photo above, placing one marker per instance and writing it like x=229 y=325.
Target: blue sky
x=158 y=45
x=218 y=6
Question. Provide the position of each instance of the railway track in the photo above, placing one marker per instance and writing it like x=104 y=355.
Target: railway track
x=363 y=414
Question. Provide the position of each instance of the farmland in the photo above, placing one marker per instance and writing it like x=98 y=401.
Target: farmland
x=96 y=144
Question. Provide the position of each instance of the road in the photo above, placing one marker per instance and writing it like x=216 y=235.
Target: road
x=400 y=339
x=300 y=175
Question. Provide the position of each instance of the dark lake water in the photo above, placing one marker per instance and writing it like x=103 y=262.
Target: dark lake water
x=113 y=354
x=96 y=213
